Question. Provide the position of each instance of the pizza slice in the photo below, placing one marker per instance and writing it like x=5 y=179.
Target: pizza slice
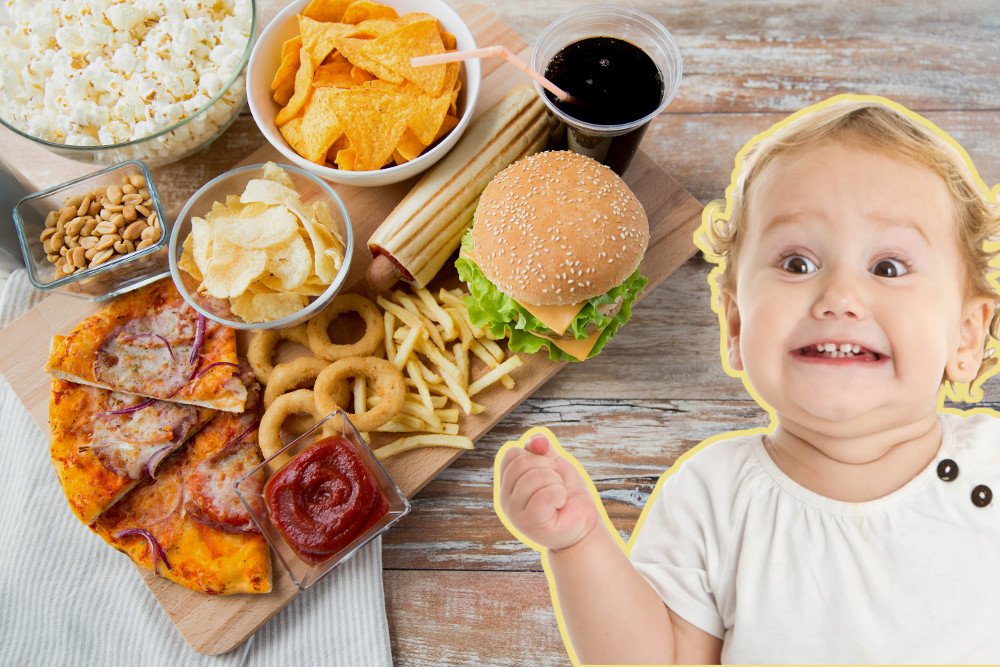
x=188 y=525
x=103 y=443
x=151 y=343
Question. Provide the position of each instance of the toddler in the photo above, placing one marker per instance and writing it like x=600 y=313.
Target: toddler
x=853 y=291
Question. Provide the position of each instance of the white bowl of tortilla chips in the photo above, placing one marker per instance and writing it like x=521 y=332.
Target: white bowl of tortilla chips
x=348 y=113
x=261 y=247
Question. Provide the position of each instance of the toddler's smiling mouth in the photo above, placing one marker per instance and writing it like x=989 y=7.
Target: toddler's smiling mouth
x=839 y=351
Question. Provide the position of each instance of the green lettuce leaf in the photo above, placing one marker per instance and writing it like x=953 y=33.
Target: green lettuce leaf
x=503 y=316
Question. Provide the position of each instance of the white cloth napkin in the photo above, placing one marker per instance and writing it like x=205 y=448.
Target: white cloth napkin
x=68 y=598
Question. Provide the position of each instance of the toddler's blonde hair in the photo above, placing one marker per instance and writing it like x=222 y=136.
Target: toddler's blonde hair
x=880 y=125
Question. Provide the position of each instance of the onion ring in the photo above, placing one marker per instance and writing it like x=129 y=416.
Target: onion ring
x=388 y=382
x=370 y=343
x=299 y=374
x=264 y=343
x=300 y=401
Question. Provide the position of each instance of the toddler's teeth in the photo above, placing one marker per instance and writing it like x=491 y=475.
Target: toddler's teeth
x=845 y=348
x=856 y=349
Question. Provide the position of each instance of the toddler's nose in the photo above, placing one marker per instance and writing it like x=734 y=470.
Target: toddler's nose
x=841 y=295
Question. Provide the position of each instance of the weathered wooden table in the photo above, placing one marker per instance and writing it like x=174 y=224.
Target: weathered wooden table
x=459 y=589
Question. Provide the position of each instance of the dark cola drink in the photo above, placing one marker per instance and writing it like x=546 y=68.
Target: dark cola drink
x=612 y=83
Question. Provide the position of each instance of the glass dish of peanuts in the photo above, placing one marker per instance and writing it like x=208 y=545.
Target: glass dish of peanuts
x=97 y=236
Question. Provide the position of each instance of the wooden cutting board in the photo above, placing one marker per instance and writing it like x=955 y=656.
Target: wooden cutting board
x=215 y=625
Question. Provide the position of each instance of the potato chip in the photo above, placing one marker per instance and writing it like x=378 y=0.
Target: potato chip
x=267 y=191
x=326 y=10
x=362 y=10
x=271 y=228
x=262 y=307
x=201 y=243
x=290 y=262
x=231 y=269
x=186 y=262
x=265 y=250
x=273 y=172
x=395 y=49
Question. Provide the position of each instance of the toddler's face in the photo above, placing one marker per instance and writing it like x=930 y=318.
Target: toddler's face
x=849 y=290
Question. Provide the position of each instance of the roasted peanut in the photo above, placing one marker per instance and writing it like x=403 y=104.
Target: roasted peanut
x=101 y=257
x=145 y=244
x=114 y=194
x=105 y=227
x=79 y=257
x=134 y=230
x=137 y=181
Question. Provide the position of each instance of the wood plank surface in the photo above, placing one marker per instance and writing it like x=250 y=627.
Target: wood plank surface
x=218 y=624
x=459 y=590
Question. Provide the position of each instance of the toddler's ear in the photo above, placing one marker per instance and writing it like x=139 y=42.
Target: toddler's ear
x=965 y=362
x=731 y=313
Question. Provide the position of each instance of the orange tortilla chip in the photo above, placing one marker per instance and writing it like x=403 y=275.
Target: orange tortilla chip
x=361 y=75
x=373 y=120
x=303 y=89
x=409 y=145
x=447 y=126
x=394 y=50
x=448 y=40
x=326 y=10
x=289 y=62
x=285 y=91
x=432 y=110
x=398 y=157
x=372 y=28
x=312 y=134
x=335 y=74
x=346 y=159
x=354 y=51
x=320 y=38
x=362 y=10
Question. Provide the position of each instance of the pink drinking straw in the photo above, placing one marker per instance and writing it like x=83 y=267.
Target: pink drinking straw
x=491 y=52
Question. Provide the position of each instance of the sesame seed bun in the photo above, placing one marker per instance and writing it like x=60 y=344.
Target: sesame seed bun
x=558 y=228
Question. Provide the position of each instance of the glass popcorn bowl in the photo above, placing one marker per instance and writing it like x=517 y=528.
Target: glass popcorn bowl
x=234 y=182
x=168 y=143
x=268 y=504
x=116 y=275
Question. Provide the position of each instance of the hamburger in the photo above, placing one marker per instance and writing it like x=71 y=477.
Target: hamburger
x=552 y=258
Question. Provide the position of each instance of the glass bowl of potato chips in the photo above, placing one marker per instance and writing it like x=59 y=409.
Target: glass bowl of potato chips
x=264 y=246
x=331 y=87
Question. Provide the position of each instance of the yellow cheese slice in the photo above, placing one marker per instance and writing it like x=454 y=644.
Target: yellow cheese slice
x=576 y=348
x=557 y=318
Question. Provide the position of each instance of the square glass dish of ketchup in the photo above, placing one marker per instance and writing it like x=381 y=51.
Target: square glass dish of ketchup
x=321 y=498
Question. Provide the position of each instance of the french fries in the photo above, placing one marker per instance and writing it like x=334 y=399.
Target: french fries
x=425 y=440
x=432 y=340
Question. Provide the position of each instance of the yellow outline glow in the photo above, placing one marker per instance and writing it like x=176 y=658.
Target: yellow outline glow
x=963 y=393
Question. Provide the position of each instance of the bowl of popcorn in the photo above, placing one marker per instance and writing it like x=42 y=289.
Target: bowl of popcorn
x=331 y=86
x=108 y=81
x=264 y=246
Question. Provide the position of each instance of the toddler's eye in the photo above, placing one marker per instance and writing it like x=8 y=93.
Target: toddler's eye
x=890 y=268
x=797 y=264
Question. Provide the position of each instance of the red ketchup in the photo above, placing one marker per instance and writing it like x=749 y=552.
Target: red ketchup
x=323 y=499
